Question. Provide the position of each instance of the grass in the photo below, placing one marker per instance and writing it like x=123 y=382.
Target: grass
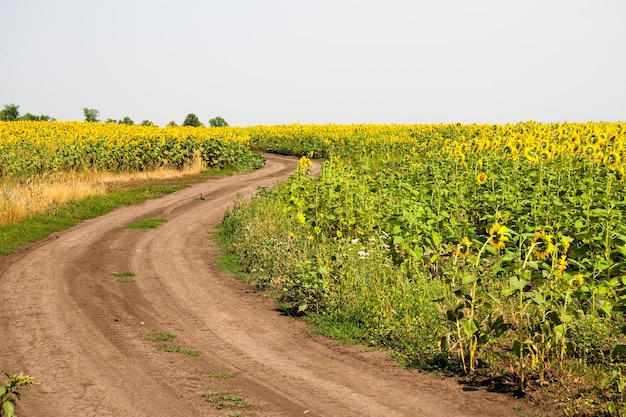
x=63 y=215
x=160 y=337
x=14 y=235
x=225 y=400
x=177 y=349
x=124 y=276
x=146 y=224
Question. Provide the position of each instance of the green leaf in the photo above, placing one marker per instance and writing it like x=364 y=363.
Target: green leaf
x=515 y=284
x=398 y=240
x=418 y=253
x=302 y=307
x=469 y=327
x=539 y=299
x=436 y=238
x=517 y=348
x=8 y=409
x=468 y=279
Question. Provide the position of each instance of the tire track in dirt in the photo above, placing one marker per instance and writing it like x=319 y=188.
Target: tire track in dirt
x=65 y=320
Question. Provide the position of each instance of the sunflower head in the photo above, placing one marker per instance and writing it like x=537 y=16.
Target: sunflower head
x=481 y=178
x=543 y=245
x=305 y=163
x=531 y=154
x=497 y=236
x=612 y=159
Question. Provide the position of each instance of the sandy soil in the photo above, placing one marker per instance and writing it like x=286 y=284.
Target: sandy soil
x=67 y=321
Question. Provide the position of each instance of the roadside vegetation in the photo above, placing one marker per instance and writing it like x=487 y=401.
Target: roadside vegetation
x=494 y=252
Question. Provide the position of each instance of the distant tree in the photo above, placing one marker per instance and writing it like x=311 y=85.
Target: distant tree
x=172 y=123
x=147 y=123
x=218 y=122
x=192 y=120
x=10 y=113
x=91 y=115
x=126 y=121
x=109 y=120
x=29 y=117
x=34 y=117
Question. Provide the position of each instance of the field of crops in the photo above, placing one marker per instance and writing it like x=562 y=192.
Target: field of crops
x=493 y=250
x=29 y=149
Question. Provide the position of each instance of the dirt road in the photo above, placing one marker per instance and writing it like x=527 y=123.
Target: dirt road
x=79 y=330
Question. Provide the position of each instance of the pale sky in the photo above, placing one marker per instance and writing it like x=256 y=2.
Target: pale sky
x=330 y=61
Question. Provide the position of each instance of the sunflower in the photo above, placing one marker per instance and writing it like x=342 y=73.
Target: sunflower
x=481 y=178
x=305 y=163
x=464 y=247
x=531 y=154
x=612 y=160
x=543 y=245
x=497 y=236
x=589 y=150
x=545 y=155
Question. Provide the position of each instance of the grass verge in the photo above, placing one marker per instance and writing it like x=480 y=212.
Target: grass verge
x=15 y=235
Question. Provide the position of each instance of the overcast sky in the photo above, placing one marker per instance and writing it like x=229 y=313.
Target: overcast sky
x=327 y=61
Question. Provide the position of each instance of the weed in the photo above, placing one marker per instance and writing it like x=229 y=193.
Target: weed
x=170 y=348
x=177 y=349
x=9 y=392
x=146 y=224
x=191 y=352
x=160 y=337
x=127 y=274
x=225 y=400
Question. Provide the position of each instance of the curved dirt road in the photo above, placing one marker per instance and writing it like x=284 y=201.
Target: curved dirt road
x=67 y=321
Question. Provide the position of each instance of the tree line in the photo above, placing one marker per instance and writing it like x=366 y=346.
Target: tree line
x=11 y=113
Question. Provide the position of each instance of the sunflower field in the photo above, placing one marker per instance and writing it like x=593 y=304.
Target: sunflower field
x=495 y=250
x=29 y=148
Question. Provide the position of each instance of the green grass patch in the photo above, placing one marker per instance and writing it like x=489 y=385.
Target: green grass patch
x=126 y=274
x=346 y=331
x=177 y=349
x=160 y=337
x=170 y=348
x=191 y=352
x=230 y=263
x=225 y=400
x=146 y=224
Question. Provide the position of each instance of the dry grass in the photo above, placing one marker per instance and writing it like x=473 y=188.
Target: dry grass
x=22 y=200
